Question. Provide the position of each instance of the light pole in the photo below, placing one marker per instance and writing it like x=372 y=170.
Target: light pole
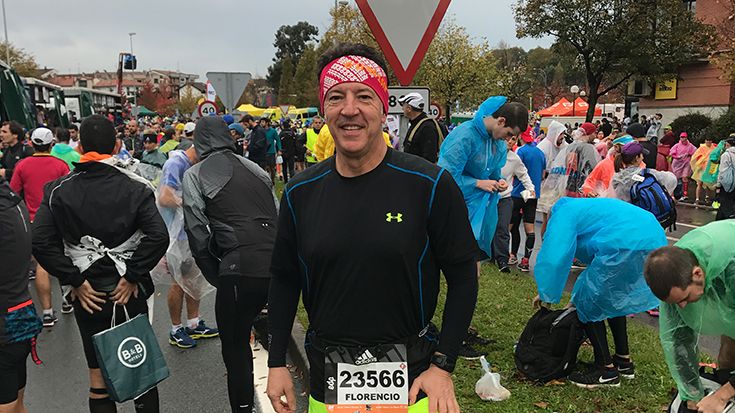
x=7 y=42
x=575 y=90
x=131 y=34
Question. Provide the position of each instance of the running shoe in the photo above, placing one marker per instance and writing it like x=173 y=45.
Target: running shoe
x=49 y=320
x=715 y=204
x=512 y=260
x=503 y=268
x=181 y=339
x=596 y=377
x=523 y=265
x=475 y=339
x=66 y=306
x=684 y=199
x=578 y=264
x=202 y=331
x=625 y=367
x=467 y=352
x=32 y=273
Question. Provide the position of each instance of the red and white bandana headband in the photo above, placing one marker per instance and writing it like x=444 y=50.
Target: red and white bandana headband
x=354 y=69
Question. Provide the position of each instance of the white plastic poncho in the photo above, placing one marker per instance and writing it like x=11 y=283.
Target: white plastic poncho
x=613 y=238
x=470 y=154
x=178 y=264
x=548 y=146
x=712 y=315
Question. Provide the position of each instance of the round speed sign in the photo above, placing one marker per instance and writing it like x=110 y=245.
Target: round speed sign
x=207 y=108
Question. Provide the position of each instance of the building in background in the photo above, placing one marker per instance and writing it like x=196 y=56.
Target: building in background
x=700 y=85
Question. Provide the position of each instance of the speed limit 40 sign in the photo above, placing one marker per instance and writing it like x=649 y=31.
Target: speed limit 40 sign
x=396 y=93
x=207 y=108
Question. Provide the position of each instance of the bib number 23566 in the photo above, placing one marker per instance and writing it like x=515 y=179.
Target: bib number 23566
x=373 y=383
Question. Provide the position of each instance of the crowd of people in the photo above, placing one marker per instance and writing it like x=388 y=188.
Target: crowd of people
x=111 y=212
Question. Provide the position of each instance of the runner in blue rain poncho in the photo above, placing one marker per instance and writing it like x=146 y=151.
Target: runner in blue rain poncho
x=474 y=153
x=614 y=237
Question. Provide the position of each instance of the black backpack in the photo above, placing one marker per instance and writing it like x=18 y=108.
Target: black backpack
x=650 y=195
x=548 y=347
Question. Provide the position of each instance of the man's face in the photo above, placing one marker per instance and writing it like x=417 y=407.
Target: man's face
x=406 y=110
x=157 y=127
x=355 y=117
x=264 y=124
x=6 y=136
x=659 y=117
x=692 y=293
x=500 y=130
x=132 y=127
x=511 y=142
x=317 y=124
x=73 y=134
x=149 y=146
x=559 y=139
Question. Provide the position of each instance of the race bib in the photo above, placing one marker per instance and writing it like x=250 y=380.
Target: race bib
x=371 y=379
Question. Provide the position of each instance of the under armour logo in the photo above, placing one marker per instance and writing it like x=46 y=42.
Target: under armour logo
x=390 y=217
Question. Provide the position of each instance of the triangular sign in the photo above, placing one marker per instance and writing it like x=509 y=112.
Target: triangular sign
x=404 y=30
x=284 y=109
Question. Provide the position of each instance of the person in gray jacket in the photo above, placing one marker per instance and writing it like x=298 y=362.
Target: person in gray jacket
x=230 y=210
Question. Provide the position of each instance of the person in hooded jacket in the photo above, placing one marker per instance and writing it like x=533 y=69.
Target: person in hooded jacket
x=230 y=210
x=725 y=192
x=553 y=143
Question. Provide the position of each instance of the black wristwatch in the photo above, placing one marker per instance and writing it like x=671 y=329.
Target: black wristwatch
x=442 y=361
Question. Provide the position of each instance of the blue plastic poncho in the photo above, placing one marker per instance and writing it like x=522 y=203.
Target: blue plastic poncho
x=712 y=315
x=611 y=236
x=470 y=154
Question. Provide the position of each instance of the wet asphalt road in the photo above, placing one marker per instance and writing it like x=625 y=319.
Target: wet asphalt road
x=197 y=383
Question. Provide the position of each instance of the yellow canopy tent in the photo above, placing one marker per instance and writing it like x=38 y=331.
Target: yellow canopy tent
x=253 y=110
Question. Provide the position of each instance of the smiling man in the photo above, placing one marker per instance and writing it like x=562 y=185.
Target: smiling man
x=695 y=280
x=363 y=236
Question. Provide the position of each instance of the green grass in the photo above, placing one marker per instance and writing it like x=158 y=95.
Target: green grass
x=503 y=308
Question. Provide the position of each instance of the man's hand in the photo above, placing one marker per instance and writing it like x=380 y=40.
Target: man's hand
x=502 y=185
x=123 y=291
x=438 y=386
x=712 y=404
x=280 y=384
x=88 y=297
x=2 y=172
x=487 y=185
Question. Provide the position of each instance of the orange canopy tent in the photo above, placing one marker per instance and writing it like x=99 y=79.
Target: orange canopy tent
x=565 y=108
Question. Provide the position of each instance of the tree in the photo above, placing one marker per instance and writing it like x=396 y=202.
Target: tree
x=187 y=102
x=290 y=43
x=286 y=90
x=159 y=99
x=305 y=80
x=724 y=56
x=458 y=70
x=617 y=39
x=22 y=62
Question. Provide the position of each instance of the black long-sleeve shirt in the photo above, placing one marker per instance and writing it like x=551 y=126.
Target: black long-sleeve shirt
x=100 y=201
x=366 y=253
x=12 y=155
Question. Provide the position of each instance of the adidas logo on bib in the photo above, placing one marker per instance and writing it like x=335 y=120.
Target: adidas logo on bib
x=365 y=358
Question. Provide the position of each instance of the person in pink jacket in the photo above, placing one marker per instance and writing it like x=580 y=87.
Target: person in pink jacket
x=680 y=165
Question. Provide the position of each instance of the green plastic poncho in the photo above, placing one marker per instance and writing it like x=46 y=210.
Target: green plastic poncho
x=709 y=176
x=470 y=153
x=614 y=238
x=713 y=314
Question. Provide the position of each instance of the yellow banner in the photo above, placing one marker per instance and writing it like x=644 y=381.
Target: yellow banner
x=666 y=90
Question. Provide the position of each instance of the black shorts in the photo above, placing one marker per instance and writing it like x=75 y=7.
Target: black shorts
x=271 y=161
x=13 y=370
x=527 y=209
x=91 y=324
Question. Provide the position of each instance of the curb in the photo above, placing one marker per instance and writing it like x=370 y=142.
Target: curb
x=692 y=205
x=298 y=353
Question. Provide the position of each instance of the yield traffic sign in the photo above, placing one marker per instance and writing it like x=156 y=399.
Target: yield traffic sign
x=404 y=30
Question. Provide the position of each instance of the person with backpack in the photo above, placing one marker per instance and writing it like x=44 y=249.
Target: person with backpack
x=613 y=238
x=424 y=135
x=726 y=182
x=628 y=173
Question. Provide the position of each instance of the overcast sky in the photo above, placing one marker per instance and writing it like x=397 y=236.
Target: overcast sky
x=213 y=35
